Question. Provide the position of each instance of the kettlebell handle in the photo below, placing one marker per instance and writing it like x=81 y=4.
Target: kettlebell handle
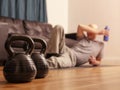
x=42 y=42
x=15 y=37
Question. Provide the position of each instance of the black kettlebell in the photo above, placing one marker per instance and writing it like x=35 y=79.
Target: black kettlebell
x=39 y=58
x=20 y=66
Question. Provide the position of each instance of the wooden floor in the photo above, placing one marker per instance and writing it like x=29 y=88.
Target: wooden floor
x=104 y=77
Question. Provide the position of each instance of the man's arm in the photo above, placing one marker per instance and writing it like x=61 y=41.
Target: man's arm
x=92 y=28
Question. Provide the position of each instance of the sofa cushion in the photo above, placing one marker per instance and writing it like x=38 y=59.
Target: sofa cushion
x=6 y=19
x=41 y=30
x=3 y=37
x=15 y=25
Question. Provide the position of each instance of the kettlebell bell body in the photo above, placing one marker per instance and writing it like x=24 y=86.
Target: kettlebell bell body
x=20 y=66
x=39 y=59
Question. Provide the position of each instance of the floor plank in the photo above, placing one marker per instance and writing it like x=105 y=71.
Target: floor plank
x=86 y=77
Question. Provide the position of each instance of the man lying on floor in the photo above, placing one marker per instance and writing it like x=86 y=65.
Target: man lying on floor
x=86 y=49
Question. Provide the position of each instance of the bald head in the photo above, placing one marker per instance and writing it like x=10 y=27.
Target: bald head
x=93 y=26
x=92 y=36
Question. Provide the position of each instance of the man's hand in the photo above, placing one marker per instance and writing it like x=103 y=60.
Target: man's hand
x=103 y=32
x=93 y=61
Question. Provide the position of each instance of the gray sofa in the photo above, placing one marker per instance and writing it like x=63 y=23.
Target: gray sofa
x=31 y=28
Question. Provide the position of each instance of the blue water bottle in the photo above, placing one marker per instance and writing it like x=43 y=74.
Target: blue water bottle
x=106 y=38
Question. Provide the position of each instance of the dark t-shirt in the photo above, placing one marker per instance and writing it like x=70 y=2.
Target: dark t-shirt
x=85 y=48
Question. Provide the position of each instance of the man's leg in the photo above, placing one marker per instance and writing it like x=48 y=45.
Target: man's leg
x=66 y=60
x=57 y=45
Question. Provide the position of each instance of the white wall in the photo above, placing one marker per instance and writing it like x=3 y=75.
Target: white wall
x=101 y=12
x=58 y=12
x=69 y=13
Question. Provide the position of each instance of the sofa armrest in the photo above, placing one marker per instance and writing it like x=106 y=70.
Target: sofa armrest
x=71 y=36
x=70 y=39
